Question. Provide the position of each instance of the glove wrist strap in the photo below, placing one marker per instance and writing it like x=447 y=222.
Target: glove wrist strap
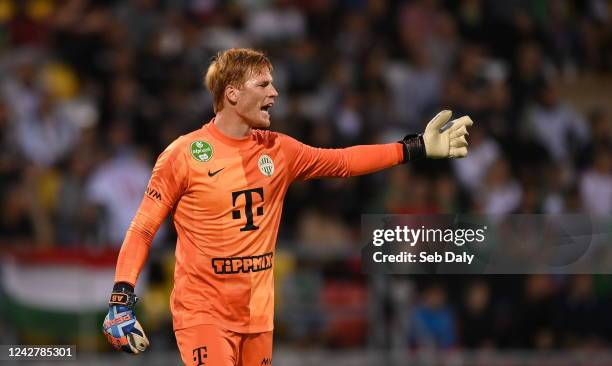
x=414 y=147
x=123 y=295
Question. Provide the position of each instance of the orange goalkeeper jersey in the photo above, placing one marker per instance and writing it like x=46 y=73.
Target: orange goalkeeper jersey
x=226 y=196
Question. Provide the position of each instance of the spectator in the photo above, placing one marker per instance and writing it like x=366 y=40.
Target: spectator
x=75 y=221
x=408 y=193
x=281 y=22
x=432 y=322
x=45 y=127
x=418 y=82
x=527 y=75
x=556 y=185
x=537 y=323
x=22 y=220
x=580 y=312
x=596 y=183
x=477 y=320
x=11 y=162
x=467 y=90
x=445 y=43
x=447 y=195
x=500 y=193
x=556 y=125
x=117 y=185
x=16 y=223
x=484 y=152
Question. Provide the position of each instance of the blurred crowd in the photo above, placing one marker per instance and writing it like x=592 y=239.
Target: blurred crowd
x=91 y=91
x=537 y=312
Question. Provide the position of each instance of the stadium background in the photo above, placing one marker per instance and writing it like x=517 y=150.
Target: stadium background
x=92 y=91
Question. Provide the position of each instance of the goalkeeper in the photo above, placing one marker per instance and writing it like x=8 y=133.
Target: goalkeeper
x=225 y=184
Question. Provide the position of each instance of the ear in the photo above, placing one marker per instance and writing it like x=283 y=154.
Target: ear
x=232 y=93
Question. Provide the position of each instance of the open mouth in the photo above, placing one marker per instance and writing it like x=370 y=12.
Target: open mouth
x=266 y=107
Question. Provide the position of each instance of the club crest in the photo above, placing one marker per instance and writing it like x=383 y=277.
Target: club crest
x=266 y=165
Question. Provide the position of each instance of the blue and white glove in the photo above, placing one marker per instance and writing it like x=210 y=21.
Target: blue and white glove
x=120 y=326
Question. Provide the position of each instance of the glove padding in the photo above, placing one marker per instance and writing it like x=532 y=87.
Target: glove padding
x=451 y=142
x=121 y=328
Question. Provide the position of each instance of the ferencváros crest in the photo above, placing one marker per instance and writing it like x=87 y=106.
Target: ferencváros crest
x=266 y=165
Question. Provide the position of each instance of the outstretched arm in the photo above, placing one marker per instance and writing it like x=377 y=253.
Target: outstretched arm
x=307 y=162
x=442 y=139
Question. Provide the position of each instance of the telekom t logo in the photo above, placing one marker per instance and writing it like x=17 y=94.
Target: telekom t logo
x=248 y=207
x=199 y=356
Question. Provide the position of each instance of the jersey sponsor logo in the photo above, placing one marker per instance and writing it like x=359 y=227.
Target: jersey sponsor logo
x=201 y=151
x=248 y=207
x=266 y=165
x=200 y=355
x=235 y=265
x=153 y=194
x=266 y=361
x=212 y=174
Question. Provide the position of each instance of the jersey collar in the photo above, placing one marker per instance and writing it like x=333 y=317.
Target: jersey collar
x=231 y=141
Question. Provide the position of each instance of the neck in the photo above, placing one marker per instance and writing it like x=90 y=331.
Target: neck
x=231 y=124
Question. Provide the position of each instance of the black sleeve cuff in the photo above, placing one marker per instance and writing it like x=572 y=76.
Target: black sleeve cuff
x=414 y=147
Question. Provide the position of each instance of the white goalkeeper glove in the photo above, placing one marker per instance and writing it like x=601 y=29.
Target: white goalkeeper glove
x=442 y=139
x=120 y=326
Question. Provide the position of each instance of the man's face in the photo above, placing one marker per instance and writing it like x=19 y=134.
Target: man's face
x=255 y=99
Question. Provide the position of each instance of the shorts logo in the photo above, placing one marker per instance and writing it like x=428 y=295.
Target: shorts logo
x=201 y=151
x=199 y=356
x=234 y=265
x=266 y=165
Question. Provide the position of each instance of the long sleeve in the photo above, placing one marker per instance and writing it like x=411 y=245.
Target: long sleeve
x=168 y=182
x=307 y=162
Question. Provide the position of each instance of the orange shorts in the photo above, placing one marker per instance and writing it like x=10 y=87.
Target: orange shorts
x=211 y=345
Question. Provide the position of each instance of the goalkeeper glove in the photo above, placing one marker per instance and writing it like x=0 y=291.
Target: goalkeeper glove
x=441 y=139
x=120 y=326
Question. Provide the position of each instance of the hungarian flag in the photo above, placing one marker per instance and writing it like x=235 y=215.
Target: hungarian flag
x=57 y=294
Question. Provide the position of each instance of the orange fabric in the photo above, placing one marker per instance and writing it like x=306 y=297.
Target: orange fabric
x=226 y=212
x=211 y=345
